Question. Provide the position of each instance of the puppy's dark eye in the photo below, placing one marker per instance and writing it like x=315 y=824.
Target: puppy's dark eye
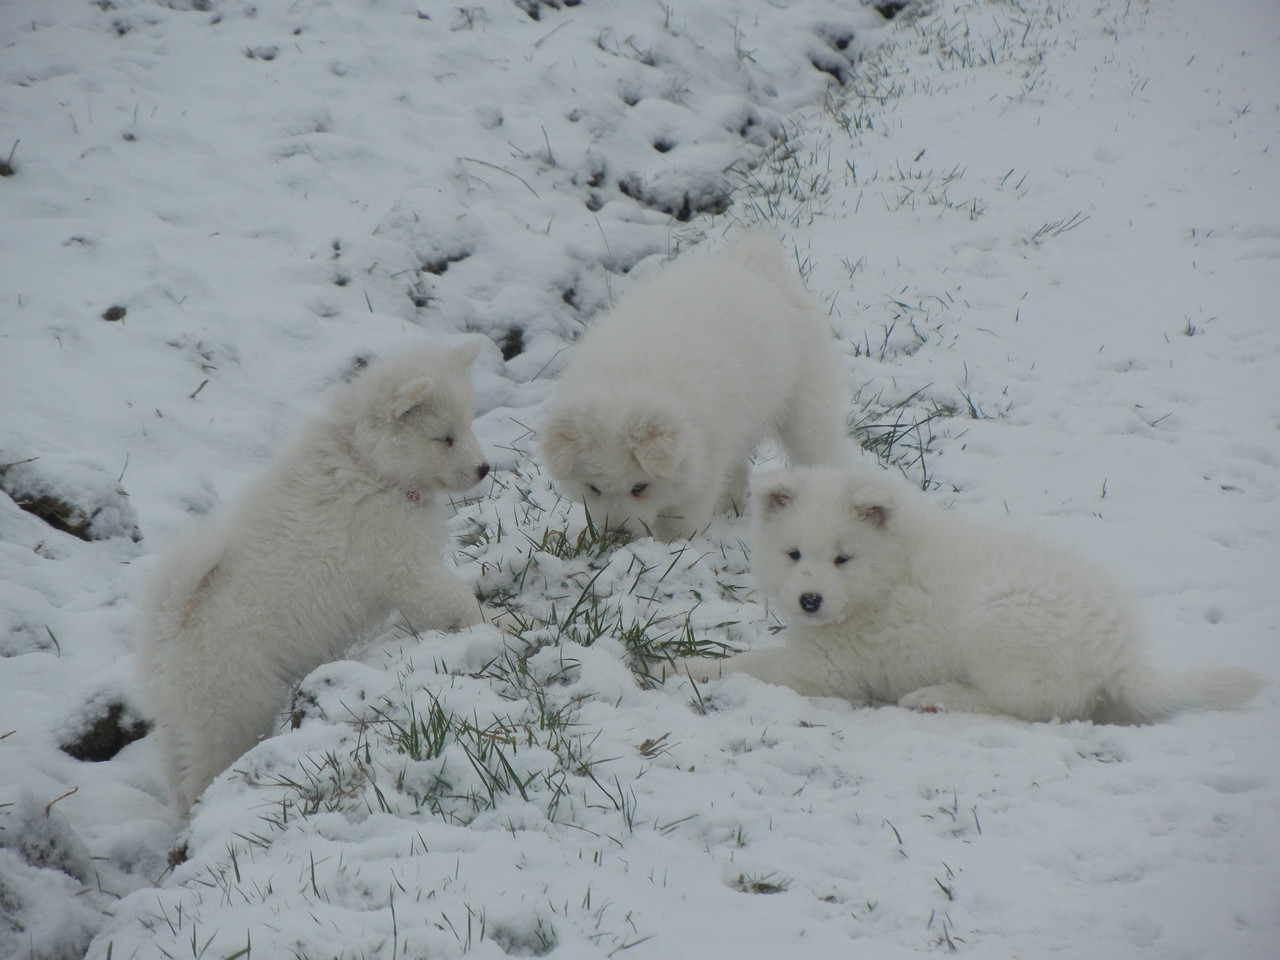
x=638 y=489
x=594 y=489
x=447 y=439
x=841 y=560
x=794 y=554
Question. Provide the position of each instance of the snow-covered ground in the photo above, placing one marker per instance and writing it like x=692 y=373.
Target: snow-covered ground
x=1048 y=236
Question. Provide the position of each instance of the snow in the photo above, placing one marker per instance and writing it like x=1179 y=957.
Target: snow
x=1047 y=237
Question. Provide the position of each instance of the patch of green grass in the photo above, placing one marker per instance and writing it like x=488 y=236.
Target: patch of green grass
x=900 y=434
x=791 y=182
x=415 y=753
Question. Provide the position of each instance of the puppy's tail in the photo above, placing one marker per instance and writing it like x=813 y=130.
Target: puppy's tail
x=1145 y=695
x=171 y=595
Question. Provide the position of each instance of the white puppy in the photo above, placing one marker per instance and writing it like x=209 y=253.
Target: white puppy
x=342 y=530
x=666 y=399
x=892 y=599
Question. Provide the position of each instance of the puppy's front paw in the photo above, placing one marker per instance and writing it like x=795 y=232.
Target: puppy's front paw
x=944 y=698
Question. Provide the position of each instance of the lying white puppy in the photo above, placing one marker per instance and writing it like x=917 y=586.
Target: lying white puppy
x=342 y=530
x=666 y=399
x=892 y=599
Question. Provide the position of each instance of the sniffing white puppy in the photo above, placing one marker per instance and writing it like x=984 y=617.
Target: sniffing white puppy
x=891 y=599
x=665 y=400
x=342 y=530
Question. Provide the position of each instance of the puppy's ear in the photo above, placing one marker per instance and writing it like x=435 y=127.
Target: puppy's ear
x=876 y=514
x=874 y=503
x=466 y=354
x=560 y=442
x=658 y=444
x=772 y=493
x=408 y=395
x=869 y=496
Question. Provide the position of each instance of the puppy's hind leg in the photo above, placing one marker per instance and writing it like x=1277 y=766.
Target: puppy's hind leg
x=812 y=428
x=209 y=721
x=734 y=497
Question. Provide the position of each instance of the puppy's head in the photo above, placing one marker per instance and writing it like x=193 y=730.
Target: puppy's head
x=410 y=420
x=825 y=543
x=623 y=461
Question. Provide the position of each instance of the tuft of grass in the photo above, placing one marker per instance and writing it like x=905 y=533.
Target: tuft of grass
x=1057 y=228
x=913 y=187
x=415 y=757
x=765 y=884
x=900 y=435
x=790 y=182
x=7 y=169
x=892 y=343
x=632 y=606
x=591 y=542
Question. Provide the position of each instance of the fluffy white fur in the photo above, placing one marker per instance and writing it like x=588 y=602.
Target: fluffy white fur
x=342 y=530
x=892 y=599
x=666 y=399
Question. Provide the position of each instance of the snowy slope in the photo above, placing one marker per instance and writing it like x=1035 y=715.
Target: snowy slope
x=1047 y=238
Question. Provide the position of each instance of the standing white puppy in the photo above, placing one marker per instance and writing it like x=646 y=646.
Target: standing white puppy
x=892 y=599
x=342 y=530
x=666 y=399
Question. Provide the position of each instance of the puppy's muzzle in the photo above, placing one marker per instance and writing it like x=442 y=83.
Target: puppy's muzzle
x=810 y=602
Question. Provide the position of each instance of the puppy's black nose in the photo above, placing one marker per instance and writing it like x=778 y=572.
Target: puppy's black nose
x=482 y=471
x=810 y=602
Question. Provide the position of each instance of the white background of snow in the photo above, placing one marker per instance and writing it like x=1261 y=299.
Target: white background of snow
x=219 y=197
